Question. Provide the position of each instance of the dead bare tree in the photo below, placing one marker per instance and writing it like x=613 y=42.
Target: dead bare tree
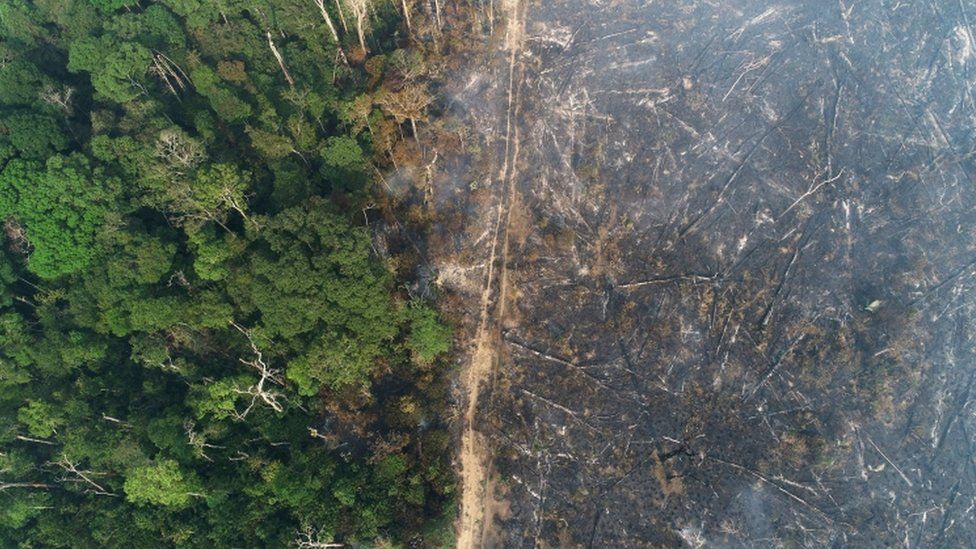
x=308 y=538
x=327 y=19
x=198 y=440
x=408 y=103
x=332 y=29
x=406 y=14
x=38 y=485
x=259 y=392
x=59 y=97
x=178 y=151
x=237 y=201
x=814 y=188
x=74 y=474
x=117 y=421
x=34 y=440
x=342 y=16
x=360 y=9
x=169 y=73
x=16 y=236
x=281 y=61
x=437 y=14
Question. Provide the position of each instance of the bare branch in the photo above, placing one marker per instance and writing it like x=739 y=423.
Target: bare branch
x=258 y=391
x=79 y=475
x=281 y=61
x=308 y=538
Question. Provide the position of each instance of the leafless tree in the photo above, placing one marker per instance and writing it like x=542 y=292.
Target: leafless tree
x=37 y=485
x=281 y=61
x=332 y=29
x=169 y=73
x=34 y=440
x=178 y=151
x=408 y=103
x=59 y=97
x=406 y=13
x=309 y=538
x=198 y=440
x=327 y=19
x=74 y=474
x=117 y=421
x=360 y=10
x=16 y=236
x=342 y=16
x=437 y=13
x=260 y=391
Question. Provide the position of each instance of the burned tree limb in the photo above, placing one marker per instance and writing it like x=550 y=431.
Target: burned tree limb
x=557 y=360
x=561 y=408
x=886 y=458
x=759 y=476
x=691 y=277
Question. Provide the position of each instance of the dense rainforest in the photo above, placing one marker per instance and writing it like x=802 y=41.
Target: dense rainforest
x=200 y=345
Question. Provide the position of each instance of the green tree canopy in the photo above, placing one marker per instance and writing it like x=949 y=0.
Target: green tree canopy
x=198 y=344
x=160 y=483
x=62 y=205
x=117 y=68
x=30 y=135
x=312 y=270
x=428 y=337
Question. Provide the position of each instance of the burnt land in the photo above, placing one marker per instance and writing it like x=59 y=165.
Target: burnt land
x=741 y=263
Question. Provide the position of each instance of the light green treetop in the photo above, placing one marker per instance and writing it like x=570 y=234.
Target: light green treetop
x=160 y=483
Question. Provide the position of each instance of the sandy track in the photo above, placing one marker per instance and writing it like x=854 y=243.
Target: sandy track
x=477 y=500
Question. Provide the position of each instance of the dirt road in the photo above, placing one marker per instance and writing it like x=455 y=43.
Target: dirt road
x=477 y=506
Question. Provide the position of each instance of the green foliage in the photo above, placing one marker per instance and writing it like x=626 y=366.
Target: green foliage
x=15 y=355
x=18 y=508
x=220 y=398
x=31 y=135
x=334 y=361
x=117 y=68
x=212 y=251
x=312 y=270
x=17 y=21
x=198 y=13
x=62 y=206
x=216 y=190
x=186 y=286
x=343 y=153
x=20 y=83
x=111 y=5
x=156 y=27
x=270 y=145
x=344 y=163
x=160 y=483
x=224 y=102
x=42 y=419
x=428 y=337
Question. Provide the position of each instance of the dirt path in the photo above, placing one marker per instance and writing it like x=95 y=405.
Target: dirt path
x=477 y=500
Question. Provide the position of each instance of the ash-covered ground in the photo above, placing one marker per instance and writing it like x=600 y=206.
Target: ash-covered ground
x=737 y=301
